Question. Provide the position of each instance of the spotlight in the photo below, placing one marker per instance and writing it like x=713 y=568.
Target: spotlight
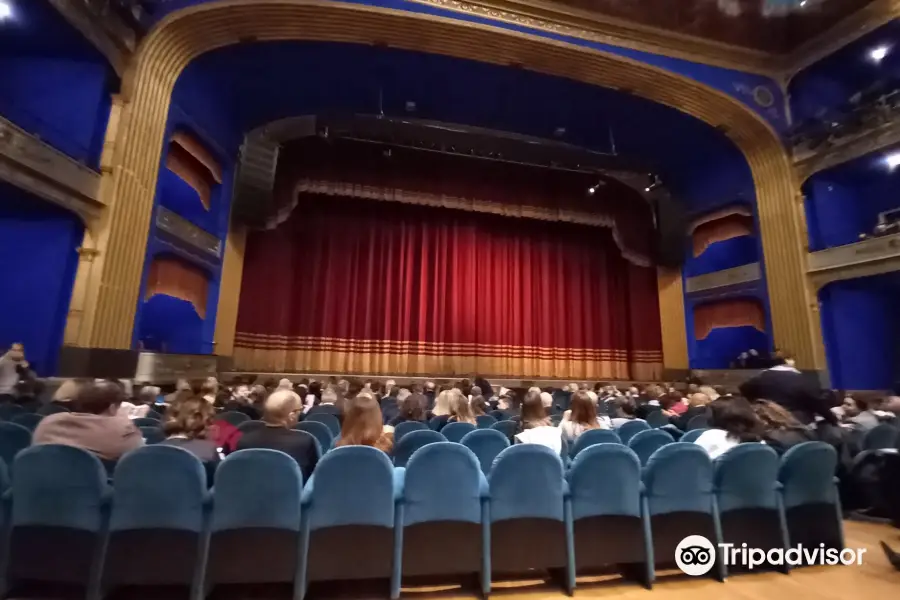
x=878 y=53
x=593 y=189
x=892 y=160
x=6 y=11
x=655 y=182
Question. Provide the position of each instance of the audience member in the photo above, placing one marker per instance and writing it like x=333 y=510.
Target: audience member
x=625 y=408
x=142 y=404
x=62 y=397
x=485 y=386
x=696 y=406
x=858 y=413
x=581 y=416
x=787 y=386
x=93 y=423
x=187 y=424
x=411 y=408
x=280 y=413
x=535 y=426
x=781 y=429
x=13 y=369
x=460 y=411
x=732 y=421
x=248 y=403
x=363 y=425
x=442 y=404
x=479 y=406
x=546 y=399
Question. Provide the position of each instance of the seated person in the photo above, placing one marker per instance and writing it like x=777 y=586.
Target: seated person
x=187 y=425
x=732 y=421
x=143 y=402
x=460 y=411
x=581 y=416
x=280 y=413
x=411 y=408
x=625 y=408
x=697 y=404
x=781 y=429
x=535 y=426
x=479 y=406
x=363 y=425
x=93 y=424
x=858 y=413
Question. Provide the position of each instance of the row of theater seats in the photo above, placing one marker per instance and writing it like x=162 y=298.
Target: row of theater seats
x=359 y=517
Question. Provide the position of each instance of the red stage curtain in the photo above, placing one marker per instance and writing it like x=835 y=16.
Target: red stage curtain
x=358 y=286
x=174 y=277
x=738 y=312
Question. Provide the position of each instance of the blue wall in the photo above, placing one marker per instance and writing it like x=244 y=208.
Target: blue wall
x=727 y=254
x=38 y=259
x=861 y=326
x=722 y=346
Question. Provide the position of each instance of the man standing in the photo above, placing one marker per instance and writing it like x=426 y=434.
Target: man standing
x=13 y=369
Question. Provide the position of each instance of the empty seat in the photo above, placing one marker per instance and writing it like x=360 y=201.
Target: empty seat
x=28 y=420
x=610 y=526
x=444 y=499
x=645 y=443
x=629 y=429
x=331 y=421
x=486 y=444
x=405 y=427
x=484 y=421
x=454 y=432
x=13 y=438
x=256 y=519
x=811 y=502
x=678 y=482
x=60 y=501
x=592 y=437
x=320 y=431
x=745 y=480
x=160 y=502
x=152 y=435
x=349 y=516
x=411 y=442
x=233 y=417
x=529 y=512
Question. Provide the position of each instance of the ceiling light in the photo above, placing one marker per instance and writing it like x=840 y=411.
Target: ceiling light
x=655 y=182
x=877 y=54
x=5 y=10
x=593 y=189
x=892 y=160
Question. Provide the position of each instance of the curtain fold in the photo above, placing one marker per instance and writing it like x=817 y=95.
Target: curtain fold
x=736 y=312
x=372 y=288
x=174 y=277
x=719 y=230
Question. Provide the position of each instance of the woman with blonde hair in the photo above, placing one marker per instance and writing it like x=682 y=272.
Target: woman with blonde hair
x=443 y=404
x=363 y=425
x=460 y=410
x=187 y=425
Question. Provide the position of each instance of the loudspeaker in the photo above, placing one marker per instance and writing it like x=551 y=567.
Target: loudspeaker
x=671 y=231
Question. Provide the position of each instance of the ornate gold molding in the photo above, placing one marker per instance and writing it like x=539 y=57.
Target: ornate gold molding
x=672 y=324
x=184 y=35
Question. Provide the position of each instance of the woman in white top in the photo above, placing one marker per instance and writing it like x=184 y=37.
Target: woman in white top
x=443 y=404
x=535 y=426
x=732 y=421
x=581 y=416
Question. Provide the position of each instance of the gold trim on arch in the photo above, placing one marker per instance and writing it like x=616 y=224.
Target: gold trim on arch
x=184 y=35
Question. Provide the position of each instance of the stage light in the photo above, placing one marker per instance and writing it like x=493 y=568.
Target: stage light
x=6 y=11
x=655 y=182
x=593 y=189
x=892 y=160
x=878 y=54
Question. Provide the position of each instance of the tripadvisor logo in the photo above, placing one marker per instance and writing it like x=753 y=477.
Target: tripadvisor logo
x=695 y=555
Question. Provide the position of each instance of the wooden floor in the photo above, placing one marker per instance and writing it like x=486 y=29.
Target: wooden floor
x=875 y=579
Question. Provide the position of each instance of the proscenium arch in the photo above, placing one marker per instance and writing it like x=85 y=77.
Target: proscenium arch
x=184 y=35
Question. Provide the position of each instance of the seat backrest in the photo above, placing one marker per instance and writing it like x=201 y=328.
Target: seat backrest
x=692 y=435
x=656 y=418
x=591 y=437
x=678 y=477
x=498 y=415
x=879 y=437
x=807 y=474
x=405 y=427
x=412 y=441
x=152 y=435
x=645 y=443
x=159 y=487
x=486 y=444
x=8 y=411
x=698 y=422
x=454 y=432
x=605 y=479
x=328 y=420
x=673 y=430
x=326 y=409
x=146 y=422
x=442 y=483
x=484 y=421
x=251 y=425
x=437 y=423
x=257 y=488
x=318 y=430
x=28 y=420
x=746 y=476
x=13 y=438
x=630 y=428
x=233 y=417
x=58 y=486
x=526 y=481
x=352 y=485
x=507 y=428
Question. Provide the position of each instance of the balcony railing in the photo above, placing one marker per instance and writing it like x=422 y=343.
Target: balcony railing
x=872 y=256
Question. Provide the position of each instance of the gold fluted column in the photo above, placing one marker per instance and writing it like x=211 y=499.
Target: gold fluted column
x=230 y=289
x=671 y=318
x=187 y=33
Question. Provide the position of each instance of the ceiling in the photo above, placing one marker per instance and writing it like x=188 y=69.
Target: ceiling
x=38 y=29
x=770 y=25
x=235 y=89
